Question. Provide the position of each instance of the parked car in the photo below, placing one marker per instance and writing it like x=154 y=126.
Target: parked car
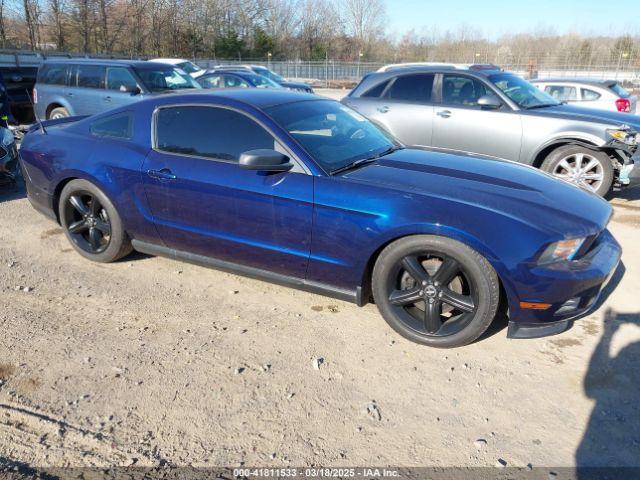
x=234 y=79
x=8 y=155
x=304 y=191
x=187 y=66
x=85 y=87
x=589 y=93
x=483 y=110
x=271 y=75
x=17 y=83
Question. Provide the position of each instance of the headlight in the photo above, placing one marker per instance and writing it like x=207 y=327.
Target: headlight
x=7 y=137
x=562 y=250
x=625 y=136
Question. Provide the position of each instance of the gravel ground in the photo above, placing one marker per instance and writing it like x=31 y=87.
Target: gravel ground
x=149 y=362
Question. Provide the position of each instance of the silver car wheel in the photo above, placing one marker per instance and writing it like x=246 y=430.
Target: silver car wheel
x=57 y=116
x=581 y=169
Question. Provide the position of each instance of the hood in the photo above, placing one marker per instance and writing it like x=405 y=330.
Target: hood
x=295 y=85
x=521 y=192
x=571 y=112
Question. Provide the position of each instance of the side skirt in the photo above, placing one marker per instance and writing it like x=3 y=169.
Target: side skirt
x=353 y=296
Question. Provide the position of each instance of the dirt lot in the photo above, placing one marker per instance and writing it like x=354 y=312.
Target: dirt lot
x=149 y=361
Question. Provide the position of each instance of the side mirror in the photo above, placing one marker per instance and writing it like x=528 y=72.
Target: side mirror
x=265 y=160
x=490 y=102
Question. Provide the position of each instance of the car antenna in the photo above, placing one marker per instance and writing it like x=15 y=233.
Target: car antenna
x=44 y=130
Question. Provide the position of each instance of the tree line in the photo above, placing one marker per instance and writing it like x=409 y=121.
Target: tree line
x=347 y=30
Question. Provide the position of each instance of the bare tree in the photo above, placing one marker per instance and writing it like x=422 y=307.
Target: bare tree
x=364 y=21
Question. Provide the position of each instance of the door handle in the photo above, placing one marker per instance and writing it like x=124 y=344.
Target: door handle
x=444 y=113
x=107 y=98
x=69 y=94
x=384 y=109
x=164 y=174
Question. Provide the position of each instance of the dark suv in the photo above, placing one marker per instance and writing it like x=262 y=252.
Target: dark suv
x=483 y=110
x=86 y=87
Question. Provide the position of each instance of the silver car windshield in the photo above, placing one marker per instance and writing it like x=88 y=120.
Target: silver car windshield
x=523 y=93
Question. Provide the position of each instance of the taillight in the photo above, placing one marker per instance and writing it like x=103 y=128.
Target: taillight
x=35 y=95
x=623 y=105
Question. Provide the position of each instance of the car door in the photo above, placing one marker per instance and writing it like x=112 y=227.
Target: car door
x=461 y=124
x=403 y=107
x=87 y=89
x=122 y=88
x=202 y=201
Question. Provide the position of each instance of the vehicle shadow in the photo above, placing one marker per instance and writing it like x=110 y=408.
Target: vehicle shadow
x=612 y=438
x=11 y=189
x=625 y=195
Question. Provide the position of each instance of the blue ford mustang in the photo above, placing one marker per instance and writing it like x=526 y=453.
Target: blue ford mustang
x=305 y=192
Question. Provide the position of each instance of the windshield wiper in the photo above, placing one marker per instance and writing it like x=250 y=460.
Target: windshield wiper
x=363 y=161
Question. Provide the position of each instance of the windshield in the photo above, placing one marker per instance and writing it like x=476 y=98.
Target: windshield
x=522 y=92
x=161 y=79
x=263 y=82
x=265 y=72
x=189 y=67
x=334 y=135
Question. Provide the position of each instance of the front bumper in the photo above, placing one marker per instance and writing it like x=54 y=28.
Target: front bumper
x=571 y=288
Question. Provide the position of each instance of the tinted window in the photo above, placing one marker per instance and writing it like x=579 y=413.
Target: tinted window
x=231 y=81
x=213 y=81
x=91 y=76
x=334 y=135
x=116 y=126
x=376 y=91
x=121 y=79
x=209 y=132
x=159 y=79
x=590 y=95
x=461 y=91
x=415 y=88
x=53 y=74
x=562 y=93
x=523 y=93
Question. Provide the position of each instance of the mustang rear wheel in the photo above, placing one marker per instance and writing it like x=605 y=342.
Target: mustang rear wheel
x=588 y=169
x=91 y=223
x=435 y=291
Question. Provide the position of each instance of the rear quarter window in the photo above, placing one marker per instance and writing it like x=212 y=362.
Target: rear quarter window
x=115 y=126
x=52 y=74
x=376 y=91
x=618 y=90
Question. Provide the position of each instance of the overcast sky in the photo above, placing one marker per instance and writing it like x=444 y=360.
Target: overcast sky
x=495 y=17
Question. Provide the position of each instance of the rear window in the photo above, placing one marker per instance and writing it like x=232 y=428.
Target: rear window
x=618 y=90
x=52 y=74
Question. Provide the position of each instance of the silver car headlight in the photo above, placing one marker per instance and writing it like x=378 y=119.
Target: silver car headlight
x=625 y=135
x=564 y=250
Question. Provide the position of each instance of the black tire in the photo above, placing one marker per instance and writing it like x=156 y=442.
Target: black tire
x=570 y=154
x=475 y=287
x=58 y=112
x=91 y=223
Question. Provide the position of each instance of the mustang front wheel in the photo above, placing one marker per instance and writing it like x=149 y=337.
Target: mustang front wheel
x=435 y=291
x=91 y=222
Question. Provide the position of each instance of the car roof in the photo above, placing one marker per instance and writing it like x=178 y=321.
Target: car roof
x=486 y=69
x=256 y=97
x=106 y=61
x=586 y=81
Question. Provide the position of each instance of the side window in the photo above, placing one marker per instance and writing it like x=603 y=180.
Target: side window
x=210 y=132
x=53 y=75
x=231 y=81
x=562 y=93
x=120 y=79
x=376 y=91
x=462 y=91
x=214 y=81
x=115 y=126
x=91 y=76
x=414 y=88
x=590 y=95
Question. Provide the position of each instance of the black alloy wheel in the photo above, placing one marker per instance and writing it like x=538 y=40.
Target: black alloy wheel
x=88 y=223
